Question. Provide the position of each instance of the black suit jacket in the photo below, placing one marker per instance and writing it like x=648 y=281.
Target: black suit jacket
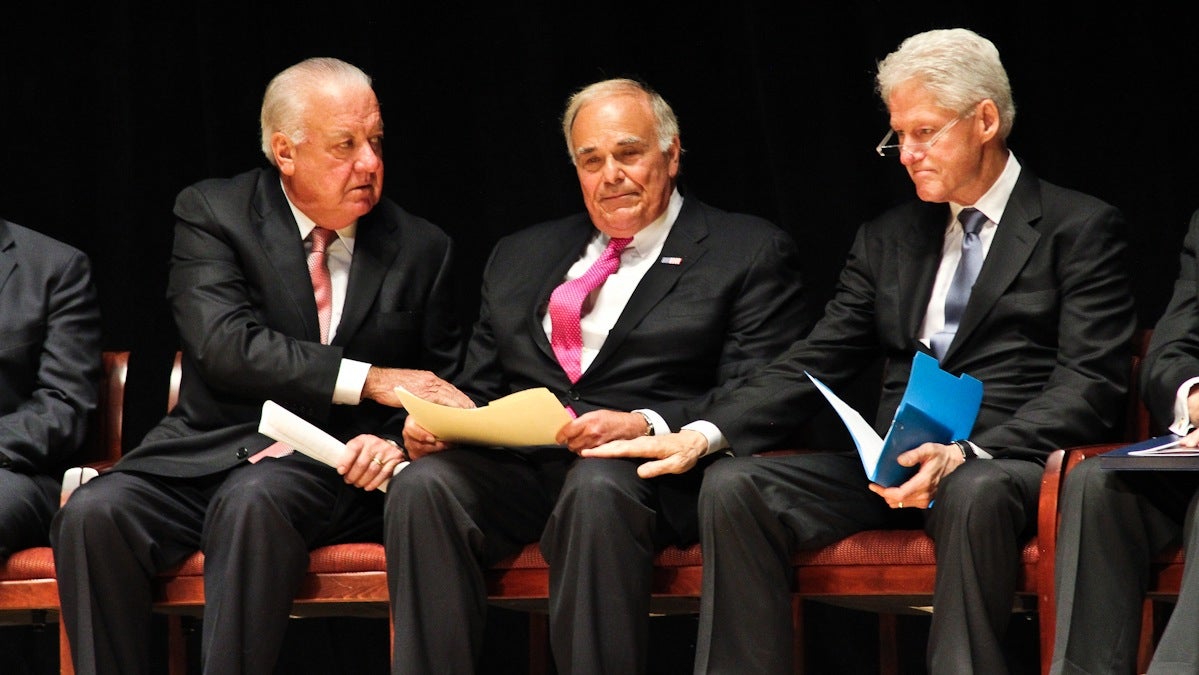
x=49 y=350
x=733 y=302
x=243 y=303
x=1047 y=328
x=1173 y=356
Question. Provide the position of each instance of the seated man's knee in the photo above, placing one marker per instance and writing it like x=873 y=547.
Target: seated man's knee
x=90 y=511
x=421 y=486
x=725 y=485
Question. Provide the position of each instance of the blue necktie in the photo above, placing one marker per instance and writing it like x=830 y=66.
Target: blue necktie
x=963 y=279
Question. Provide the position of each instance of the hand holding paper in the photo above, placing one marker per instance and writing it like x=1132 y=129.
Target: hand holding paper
x=285 y=426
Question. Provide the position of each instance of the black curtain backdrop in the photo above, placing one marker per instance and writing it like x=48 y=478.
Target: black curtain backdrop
x=109 y=109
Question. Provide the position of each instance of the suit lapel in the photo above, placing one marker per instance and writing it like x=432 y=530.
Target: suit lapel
x=1015 y=239
x=278 y=234
x=376 y=246
x=684 y=243
x=8 y=261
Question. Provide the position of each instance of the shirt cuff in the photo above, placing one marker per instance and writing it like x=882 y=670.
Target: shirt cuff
x=656 y=421
x=716 y=440
x=1182 y=412
x=351 y=377
x=979 y=453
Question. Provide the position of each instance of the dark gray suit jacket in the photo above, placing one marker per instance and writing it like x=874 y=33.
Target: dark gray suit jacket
x=1047 y=328
x=733 y=302
x=49 y=351
x=243 y=302
x=1173 y=356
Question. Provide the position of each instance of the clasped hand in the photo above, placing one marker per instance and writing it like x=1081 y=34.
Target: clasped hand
x=371 y=461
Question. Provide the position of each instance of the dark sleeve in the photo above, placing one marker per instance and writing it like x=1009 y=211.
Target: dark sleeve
x=44 y=430
x=1173 y=356
x=223 y=325
x=482 y=377
x=768 y=313
x=770 y=407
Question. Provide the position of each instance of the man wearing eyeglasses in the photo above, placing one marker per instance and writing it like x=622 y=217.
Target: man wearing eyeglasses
x=1030 y=296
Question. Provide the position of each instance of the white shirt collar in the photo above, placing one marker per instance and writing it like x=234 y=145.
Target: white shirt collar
x=305 y=224
x=994 y=200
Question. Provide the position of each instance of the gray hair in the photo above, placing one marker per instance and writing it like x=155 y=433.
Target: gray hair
x=286 y=100
x=958 y=66
x=665 y=123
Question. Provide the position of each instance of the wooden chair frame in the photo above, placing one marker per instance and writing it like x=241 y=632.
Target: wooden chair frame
x=28 y=584
x=885 y=570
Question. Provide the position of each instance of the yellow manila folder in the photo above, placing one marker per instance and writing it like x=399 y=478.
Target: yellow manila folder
x=529 y=417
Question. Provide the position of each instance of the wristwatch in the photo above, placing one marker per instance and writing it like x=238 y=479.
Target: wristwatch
x=966 y=448
x=649 y=425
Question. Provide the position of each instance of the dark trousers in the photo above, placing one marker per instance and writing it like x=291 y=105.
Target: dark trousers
x=255 y=525
x=756 y=512
x=1112 y=524
x=27 y=504
x=448 y=515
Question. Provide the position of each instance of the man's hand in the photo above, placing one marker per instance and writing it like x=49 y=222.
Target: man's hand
x=419 y=442
x=600 y=426
x=1191 y=440
x=672 y=453
x=374 y=461
x=381 y=383
x=936 y=462
x=1193 y=404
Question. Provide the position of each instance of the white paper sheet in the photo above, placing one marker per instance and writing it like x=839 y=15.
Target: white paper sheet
x=287 y=427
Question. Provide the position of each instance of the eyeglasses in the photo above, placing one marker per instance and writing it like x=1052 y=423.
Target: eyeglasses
x=896 y=149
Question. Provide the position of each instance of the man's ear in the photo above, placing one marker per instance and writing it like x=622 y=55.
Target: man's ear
x=284 y=151
x=988 y=115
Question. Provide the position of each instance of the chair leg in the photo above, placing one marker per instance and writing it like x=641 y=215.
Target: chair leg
x=176 y=645
x=798 y=653
x=1148 y=636
x=539 y=641
x=65 y=665
x=888 y=644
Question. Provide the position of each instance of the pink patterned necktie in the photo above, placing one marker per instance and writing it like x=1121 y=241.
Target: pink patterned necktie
x=322 y=288
x=567 y=307
x=318 y=269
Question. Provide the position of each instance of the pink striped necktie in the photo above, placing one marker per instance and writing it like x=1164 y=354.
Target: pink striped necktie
x=322 y=288
x=568 y=304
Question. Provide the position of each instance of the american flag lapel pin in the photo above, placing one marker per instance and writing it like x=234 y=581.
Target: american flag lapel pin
x=671 y=260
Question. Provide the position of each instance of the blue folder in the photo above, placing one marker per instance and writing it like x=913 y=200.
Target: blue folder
x=937 y=407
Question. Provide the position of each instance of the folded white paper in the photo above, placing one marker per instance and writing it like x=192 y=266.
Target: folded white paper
x=287 y=427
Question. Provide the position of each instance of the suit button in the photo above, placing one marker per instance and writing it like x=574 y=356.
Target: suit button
x=242 y=453
x=574 y=395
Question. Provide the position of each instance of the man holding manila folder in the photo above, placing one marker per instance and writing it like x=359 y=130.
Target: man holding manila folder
x=632 y=314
